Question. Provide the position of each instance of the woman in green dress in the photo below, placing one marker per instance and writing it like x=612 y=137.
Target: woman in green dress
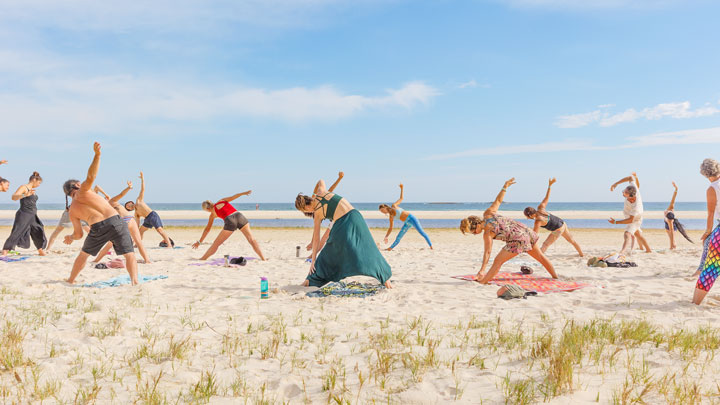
x=350 y=249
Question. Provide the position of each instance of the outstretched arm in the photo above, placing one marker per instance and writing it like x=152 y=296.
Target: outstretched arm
x=205 y=231
x=396 y=203
x=99 y=189
x=637 y=181
x=122 y=193
x=499 y=199
x=623 y=180
x=234 y=196
x=392 y=218
x=340 y=176
x=3 y=162
x=544 y=202
x=141 y=196
x=320 y=187
x=93 y=170
x=671 y=207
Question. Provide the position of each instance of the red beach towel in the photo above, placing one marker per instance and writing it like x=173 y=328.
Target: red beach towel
x=530 y=283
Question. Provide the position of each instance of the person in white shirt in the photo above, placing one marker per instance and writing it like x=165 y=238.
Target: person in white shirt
x=633 y=215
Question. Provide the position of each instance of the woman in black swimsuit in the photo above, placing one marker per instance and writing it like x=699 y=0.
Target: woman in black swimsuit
x=555 y=225
x=27 y=225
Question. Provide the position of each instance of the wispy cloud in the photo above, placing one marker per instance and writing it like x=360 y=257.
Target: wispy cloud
x=686 y=137
x=606 y=119
x=70 y=105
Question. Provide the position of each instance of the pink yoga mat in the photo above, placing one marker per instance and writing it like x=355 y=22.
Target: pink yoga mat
x=530 y=283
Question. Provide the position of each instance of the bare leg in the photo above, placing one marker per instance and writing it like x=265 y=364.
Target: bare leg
x=131 y=264
x=142 y=231
x=550 y=240
x=568 y=237
x=165 y=236
x=538 y=255
x=698 y=296
x=104 y=251
x=222 y=237
x=500 y=259
x=248 y=235
x=671 y=236
x=137 y=238
x=628 y=243
x=78 y=266
x=54 y=236
x=642 y=241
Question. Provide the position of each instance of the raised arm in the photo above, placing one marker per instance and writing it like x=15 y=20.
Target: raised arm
x=396 y=203
x=234 y=196
x=499 y=199
x=99 y=189
x=319 y=187
x=122 y=193
x=544 y=202
x=671 y=207
x=637 y=181
x=340 y=176
x=141 y=196
x=623 y=180
x=93 y=170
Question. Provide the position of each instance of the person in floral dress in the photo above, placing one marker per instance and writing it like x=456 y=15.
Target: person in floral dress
x=518 y=238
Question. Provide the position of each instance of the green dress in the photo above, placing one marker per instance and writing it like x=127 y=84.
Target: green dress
x=349 y=251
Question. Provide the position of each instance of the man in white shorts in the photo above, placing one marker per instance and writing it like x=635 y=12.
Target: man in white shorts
x=633 y=215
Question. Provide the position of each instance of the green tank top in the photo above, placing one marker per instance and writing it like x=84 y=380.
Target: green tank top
x=331 y=204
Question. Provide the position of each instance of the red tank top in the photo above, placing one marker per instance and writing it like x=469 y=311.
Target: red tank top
x=226 y=209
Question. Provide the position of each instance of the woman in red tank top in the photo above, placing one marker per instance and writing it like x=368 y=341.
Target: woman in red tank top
x=233 y=219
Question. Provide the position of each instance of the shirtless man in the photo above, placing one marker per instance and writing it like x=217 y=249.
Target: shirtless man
x=152 y=219
x=129 y=220
x=105 y=223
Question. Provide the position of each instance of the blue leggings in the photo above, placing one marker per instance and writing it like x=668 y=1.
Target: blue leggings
x=409 y=223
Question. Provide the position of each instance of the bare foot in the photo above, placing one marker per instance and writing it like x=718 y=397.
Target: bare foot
x=431 y=248
x=389 y=249
x=70 y=282
x=41 y=252
x=306 y=283
x=4 y=252
x=388 y=285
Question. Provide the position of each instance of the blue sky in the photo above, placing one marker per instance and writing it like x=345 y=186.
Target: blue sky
x=449 y=97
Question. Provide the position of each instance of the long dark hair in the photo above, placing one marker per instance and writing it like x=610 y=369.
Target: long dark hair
x=680 y=227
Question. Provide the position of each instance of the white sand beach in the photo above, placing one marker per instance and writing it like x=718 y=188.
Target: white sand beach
x=203 y=334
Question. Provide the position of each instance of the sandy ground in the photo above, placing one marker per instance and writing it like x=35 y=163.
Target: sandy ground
x=203 y=334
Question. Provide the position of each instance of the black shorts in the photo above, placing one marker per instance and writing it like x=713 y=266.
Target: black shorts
x=235 y=221
x=114 y=230
x=152 y=220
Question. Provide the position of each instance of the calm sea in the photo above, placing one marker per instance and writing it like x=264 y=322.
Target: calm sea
x=600 y=207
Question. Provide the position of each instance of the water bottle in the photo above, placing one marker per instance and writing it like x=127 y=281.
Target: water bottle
x=264 y=288
x=297 y=251
x=227 y=260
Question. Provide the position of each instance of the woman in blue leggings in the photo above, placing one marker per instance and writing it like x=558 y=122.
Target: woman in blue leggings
x=408 y=218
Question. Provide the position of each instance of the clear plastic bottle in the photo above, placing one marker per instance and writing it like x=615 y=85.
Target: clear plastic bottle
x=264 y=288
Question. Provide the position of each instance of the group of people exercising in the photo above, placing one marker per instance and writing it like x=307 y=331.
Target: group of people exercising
x=347 y=247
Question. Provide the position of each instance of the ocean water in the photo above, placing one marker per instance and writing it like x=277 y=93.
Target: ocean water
x=602 y=209
x=422 y=206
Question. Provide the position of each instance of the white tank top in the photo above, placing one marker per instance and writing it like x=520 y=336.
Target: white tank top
x=716 y=186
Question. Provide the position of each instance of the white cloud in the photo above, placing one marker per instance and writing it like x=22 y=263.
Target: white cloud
x=114 y=103
x=605 y=119
x=469 y=84
x=686 y=137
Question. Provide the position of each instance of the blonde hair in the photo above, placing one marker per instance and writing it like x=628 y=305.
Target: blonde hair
x=470 y=222
x=207 y=204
